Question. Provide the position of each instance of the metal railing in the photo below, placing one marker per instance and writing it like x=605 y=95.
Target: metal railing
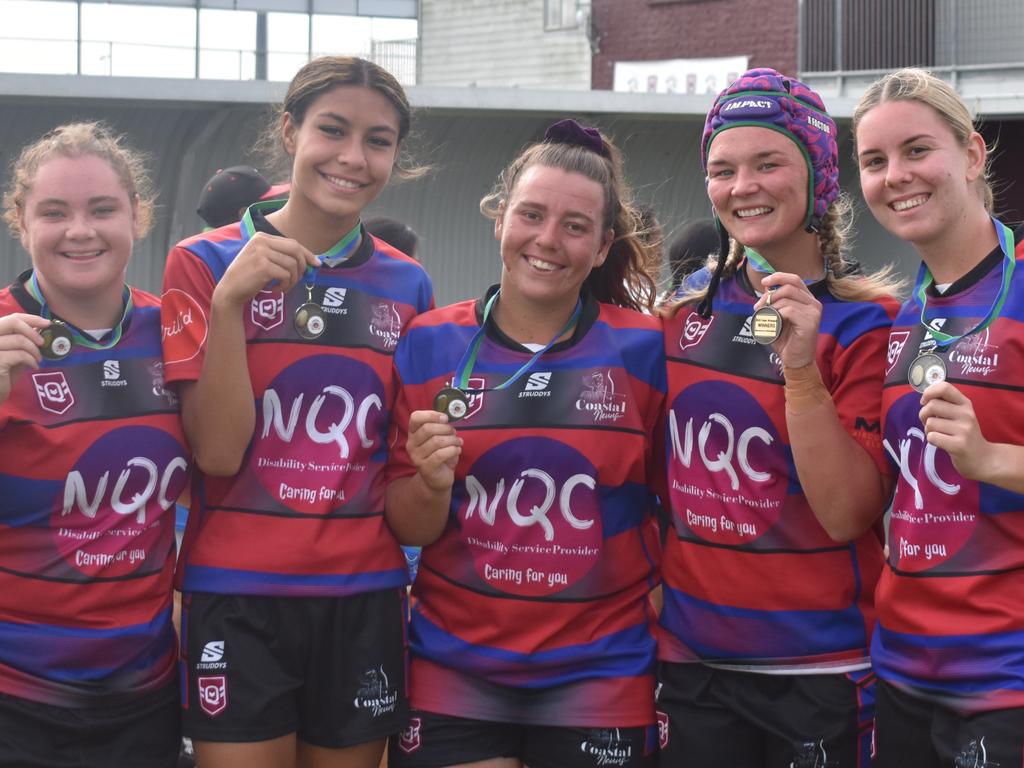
x=841 y=36
x=109 y=57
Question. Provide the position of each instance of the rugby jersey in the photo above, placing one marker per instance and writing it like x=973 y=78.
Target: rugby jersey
x=951 y=621
x=93 y=460
x=304 y=514
x=532 y=606
x=751 y=579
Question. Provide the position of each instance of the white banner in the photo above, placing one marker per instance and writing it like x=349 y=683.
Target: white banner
x=679 y=75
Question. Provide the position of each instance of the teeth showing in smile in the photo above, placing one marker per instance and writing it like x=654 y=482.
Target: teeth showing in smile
x=343 y=183
x=748 y=212
x=906 y=205
x=544 y=266
x=81 y=254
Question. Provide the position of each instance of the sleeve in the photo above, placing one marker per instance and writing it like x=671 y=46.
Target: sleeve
x=185 y=314
x=857 y=374
x=399 y=463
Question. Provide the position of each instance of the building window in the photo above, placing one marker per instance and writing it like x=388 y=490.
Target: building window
x=560 y=14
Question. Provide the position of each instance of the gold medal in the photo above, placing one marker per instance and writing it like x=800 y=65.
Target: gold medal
x=927 y=369
x=766 y=324
x=57 y=341
x=453 y=402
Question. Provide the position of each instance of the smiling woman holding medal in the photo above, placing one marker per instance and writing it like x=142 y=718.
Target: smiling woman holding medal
x=279 y=332
x=530 y=417
x=92 y=458
x=949 y=648
x=773 y=408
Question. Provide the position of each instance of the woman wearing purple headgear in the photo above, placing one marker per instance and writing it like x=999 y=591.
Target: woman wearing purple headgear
x=772 y=423
x=531 y=412
x=949 y=647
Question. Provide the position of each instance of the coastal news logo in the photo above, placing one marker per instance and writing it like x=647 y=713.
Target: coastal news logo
x=599 y=397
x=375 y=692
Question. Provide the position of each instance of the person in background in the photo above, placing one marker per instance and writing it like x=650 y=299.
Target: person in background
x=279 y=333
x=949 y=647
x=775 y=364
x=230 y=191
x=93 y=457
x=690 y=248
x=395 y=233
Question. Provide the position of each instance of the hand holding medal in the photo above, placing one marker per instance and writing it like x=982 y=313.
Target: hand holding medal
x=787 y=316
x=20 y=343
x=434 y=449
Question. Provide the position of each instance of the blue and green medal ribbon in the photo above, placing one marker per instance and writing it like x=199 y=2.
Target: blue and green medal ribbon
x=925 y=280
x=80 y=337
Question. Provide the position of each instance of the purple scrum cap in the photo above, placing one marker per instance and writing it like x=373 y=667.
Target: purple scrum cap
x=572 y=133
x=768 y=99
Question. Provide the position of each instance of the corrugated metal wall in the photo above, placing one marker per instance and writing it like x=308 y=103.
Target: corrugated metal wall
x=187 y=142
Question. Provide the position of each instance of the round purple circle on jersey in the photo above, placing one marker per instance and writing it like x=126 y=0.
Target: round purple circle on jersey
x=531 y=516
x=319 y=431
x=727 y=469
x=114 y=515
x=934 y=509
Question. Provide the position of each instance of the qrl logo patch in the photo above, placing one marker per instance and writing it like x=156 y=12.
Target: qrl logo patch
x=213 y=694
x=267 y=309
x=693 y=330
x=409 y=740
x=662 y=730
x=53 y=392
x=897 y=341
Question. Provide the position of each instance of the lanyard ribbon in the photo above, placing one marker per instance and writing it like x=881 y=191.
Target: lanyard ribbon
x=761 y=265
x=465 y=367
x=925 y=280
x=83 y=338
x=336 y=254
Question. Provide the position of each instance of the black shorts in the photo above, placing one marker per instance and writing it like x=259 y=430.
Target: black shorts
x=432 y=741
x=917 y=733
x=144 y=732
x=330 y=669
x=711 y=717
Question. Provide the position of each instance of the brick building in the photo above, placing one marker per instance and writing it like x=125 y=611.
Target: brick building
x=649 y=30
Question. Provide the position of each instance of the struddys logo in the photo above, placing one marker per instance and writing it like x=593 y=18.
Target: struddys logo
x=386 y=324
x=607 y=747
x=375 y=692
x=728 y=471
x=694 y=329
x=974 y=356
x=897 y=341
x=318 y=425
x=266 y=310
x=213 y=694
x=934 y=508
x=599 y=397
x=53 y=392
x=115 y=513
x=529 y=513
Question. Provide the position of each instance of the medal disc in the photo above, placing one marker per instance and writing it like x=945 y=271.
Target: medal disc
x=57 y=341
x=766 y=325
x=927 y=369
x=452 y=401
x=309 y=321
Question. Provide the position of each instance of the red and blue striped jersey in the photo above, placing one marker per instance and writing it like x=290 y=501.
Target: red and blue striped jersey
x=751 y=578
x=93 y=460
x=951 y=620
x=532 y=606
x=304 y=514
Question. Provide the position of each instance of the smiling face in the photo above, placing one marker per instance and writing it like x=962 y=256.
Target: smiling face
x=918 y=179
x=343 y=152
x=758 y=185
x=78 y=225
x=552 y=235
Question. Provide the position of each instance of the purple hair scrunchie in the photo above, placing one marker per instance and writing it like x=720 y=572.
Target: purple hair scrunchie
x=574 y=134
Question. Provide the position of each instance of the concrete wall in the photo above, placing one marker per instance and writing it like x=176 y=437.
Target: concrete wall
x=649 y=30
x=499 y=43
